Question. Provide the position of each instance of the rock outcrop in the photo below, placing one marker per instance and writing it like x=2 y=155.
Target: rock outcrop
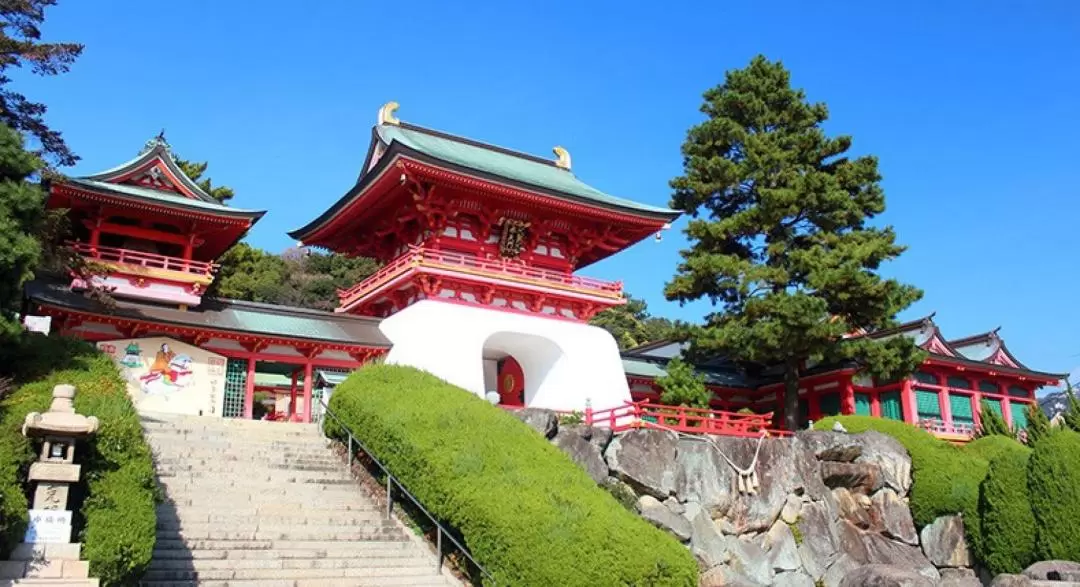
x=830 y=508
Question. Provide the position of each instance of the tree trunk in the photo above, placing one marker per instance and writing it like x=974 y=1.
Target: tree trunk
x=791 y=395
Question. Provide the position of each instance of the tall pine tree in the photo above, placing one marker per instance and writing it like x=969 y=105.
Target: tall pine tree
x=779 y=235
x=21 y=218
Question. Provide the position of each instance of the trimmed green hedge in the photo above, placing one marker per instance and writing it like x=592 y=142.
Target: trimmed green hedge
x=527 y=512
x=1054 y=483
x=118 y=516
x=1008 y=523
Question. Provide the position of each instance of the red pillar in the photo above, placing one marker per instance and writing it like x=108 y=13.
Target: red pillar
x=307 y=391
x=946 y=406
x=249 y=390
x=907 y=403
x=847 y=396
x=875 y=405
x=976 y=401
x=292 y=396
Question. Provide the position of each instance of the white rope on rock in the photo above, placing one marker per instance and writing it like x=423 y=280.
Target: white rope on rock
x=746 y=479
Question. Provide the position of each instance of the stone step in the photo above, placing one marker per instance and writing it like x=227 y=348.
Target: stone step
x=58 y=583
x=174 y=466
x=254 y=474
x=217 y=532
x=232 y=574
x=243 y=524
x=175 y=550
x=274 y=510
x=237 y=548
x=418 y=581
x=201 y=565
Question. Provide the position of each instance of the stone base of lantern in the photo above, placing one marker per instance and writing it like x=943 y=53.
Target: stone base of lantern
x=46 y=564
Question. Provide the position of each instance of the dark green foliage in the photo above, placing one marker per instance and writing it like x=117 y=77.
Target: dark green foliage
x=1038 y=424
x=20 y=38
x=682 y=386
x=1054 y=485
x=632 y=325
x=1008 y=524
x=195 y=172
x=1071 y=415
x=527 y=512
x=21 y=218
x=295 y=278
x=991 y=424
x=779 y=235
x=118 y=515
x=945 y=478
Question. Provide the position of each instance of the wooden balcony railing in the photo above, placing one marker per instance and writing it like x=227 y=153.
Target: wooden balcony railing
x=948 y=429
x=496 y=268
x=141 y=259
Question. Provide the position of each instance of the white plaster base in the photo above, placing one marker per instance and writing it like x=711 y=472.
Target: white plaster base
x=564 y=362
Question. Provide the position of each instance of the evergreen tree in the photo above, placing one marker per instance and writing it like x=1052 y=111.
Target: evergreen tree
x=20 y=45
x=1071 y=415
x=780 y=238
x=195 y=172
x=682 y=386
x=1038 y=424
x=21 y=219
x=992 y=424
x=632 y=325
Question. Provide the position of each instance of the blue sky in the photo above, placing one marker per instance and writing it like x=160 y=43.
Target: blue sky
x=971 y=107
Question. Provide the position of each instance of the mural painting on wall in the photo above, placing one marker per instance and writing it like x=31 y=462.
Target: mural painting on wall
x=166 y=375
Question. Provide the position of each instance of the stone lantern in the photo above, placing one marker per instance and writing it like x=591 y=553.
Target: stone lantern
x=47 y=551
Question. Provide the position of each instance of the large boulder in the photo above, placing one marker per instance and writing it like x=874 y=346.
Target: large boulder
x=644 y=459
x=1054 y=571
x=793 y=579
x=843 y=565
x=782 y=549
x=1011 y=581
x=889 y=513
x=662 y=517
x=545 y=422
x=943 y=542
x=725 y=577
x=576 y=442
x=820 y=545
x=851 y=543
x=707 y=544
x=883 y=551
x=884 y=576
x=784 y=467
x=959 y=578
x=850 y=509
x=750 y=560
x=858 y=477
x=872 y=447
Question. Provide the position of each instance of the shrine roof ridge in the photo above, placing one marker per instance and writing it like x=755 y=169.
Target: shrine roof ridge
x=156 y=148
x=158 y=197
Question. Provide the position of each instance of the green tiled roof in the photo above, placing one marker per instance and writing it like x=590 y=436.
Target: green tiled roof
x=500 y=162
x=160 y=197
x=229 y=316
x=635 y=367
x=332 y=378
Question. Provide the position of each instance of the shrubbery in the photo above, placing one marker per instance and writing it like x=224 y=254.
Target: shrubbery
x=527 y=513
x=1054 y=485
x=118 y=515
x=1008 y=524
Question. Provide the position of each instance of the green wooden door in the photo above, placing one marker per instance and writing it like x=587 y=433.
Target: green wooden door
x=235 y=387
x=1019 y=415
x=927 y=405
x=961 y=409
x=829 y=404
x=862 y=404
x=994 y=405
x=891 y=406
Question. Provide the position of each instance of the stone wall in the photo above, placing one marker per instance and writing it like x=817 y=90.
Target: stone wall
x=827 y=505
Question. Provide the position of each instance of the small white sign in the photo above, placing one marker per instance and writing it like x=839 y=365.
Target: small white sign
x=40 y=324
x=49 y=526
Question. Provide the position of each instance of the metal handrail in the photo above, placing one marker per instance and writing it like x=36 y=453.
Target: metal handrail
x=391 y=481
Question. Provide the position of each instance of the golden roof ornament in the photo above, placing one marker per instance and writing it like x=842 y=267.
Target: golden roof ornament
x=563 y=161
x=386 y=113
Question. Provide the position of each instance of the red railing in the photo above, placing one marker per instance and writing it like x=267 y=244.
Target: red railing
x=498 y=268
x=141 y=259
x=942 y=428
x=680 y=419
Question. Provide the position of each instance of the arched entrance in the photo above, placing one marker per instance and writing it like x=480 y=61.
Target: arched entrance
x=524 y=365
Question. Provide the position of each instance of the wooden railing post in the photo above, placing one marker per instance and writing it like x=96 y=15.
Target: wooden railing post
x=588 y=412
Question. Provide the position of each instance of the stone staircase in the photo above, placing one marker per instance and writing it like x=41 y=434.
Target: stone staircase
x=268 y=504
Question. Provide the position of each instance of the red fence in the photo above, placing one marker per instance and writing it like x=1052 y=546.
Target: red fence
x=680 y=419
x=141 y=259
x=953 y=429
x=498 y=268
